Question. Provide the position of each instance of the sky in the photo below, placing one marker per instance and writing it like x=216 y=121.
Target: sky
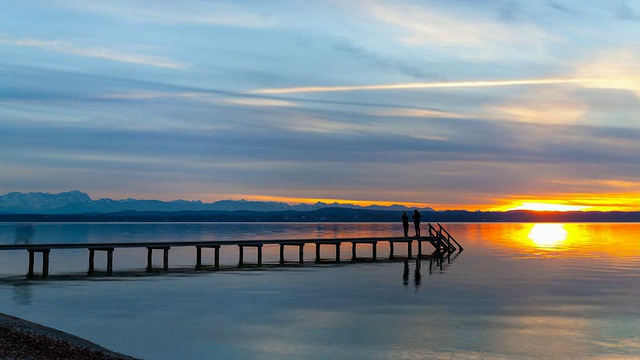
x=452 y=104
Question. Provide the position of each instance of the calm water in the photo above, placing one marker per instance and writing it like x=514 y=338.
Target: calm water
x=518 y=291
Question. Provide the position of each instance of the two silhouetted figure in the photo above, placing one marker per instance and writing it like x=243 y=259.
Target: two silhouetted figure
x=416 y=222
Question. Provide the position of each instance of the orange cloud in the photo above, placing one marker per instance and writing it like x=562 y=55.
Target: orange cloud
x=571 y=202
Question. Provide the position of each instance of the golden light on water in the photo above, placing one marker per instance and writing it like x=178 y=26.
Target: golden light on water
x=548 y=235
x=567 y=239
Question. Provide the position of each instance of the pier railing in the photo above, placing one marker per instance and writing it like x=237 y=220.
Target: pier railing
x=439 y=238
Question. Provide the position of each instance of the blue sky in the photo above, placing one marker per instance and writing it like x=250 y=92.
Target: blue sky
x=449 y=104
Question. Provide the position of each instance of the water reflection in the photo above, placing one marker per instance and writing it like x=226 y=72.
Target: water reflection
x=22 y=293
x=417 y=276
x=548 y=235
x=24 y=234
x=615 y=240
x=509 y=298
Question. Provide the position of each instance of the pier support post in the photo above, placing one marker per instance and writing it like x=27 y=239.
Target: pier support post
x=109 y=261
x=300 y=251
x=258 y=246
x=45 y=261
x=216 y=255
x=390 y=249
x=165 y=259
x=375 y=250
x=374 y=245
x=319 y=245
x=91 y=262
x=409 y=250
x=109 y=251
x=31 y=260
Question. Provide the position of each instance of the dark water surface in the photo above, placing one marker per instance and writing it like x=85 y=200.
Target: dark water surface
x=518 y=291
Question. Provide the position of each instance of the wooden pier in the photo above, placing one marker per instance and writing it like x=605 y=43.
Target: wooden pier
x=443 y=243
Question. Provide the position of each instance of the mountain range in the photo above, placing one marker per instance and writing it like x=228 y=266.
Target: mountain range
x=77 y=202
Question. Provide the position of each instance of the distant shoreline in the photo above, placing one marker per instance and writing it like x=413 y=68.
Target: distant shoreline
x=328 y=215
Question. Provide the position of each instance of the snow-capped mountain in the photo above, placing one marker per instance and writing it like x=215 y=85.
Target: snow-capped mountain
x=76 y=202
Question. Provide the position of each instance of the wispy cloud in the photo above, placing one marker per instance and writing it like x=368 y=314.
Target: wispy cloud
x=148 y=95
x=553 y=106
x=100 y=53
x=613 y=69
x=170 y=12
x=422 y=85
x=199 y=96
x=428 y=24
x=259 y=102
x=417 y=113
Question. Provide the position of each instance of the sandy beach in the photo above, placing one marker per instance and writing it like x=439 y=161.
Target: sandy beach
x=21 y=339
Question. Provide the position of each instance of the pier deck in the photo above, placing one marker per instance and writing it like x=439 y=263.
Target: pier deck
x=438 y=238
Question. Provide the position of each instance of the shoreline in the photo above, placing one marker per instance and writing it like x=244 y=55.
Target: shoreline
x=22 y=339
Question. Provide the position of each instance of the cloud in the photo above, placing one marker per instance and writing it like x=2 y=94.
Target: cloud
x=259 y=102
x=148 y=95
x=612 y=69
x=547 y=106
x=424 y=85
x=100 y=53
x=353 y=50
x=205 y=13
x=430 y=25
x=418 y=113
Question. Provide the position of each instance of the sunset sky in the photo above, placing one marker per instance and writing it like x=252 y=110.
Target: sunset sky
x=457 y=104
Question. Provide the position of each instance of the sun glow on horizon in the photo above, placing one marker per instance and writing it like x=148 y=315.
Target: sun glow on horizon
x=548 y=206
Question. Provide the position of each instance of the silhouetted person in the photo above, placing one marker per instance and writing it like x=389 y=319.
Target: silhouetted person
x=405 y=223
x=416 y=221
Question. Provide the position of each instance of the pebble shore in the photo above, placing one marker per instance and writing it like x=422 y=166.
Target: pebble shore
x=24 y=340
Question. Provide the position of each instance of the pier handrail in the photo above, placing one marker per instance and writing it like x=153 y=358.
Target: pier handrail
x=434 y=233
x=450 y=237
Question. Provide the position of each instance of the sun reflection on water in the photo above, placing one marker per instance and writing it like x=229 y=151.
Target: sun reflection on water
x=614 y=240
x=548 y=235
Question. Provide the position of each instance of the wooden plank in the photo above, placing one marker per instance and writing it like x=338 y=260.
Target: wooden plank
x=161 y=245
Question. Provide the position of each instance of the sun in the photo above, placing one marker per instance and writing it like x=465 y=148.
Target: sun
x=542 y=206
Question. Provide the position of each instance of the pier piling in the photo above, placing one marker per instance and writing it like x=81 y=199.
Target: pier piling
x=165 y=258
x=45 y=261
x=109 y=251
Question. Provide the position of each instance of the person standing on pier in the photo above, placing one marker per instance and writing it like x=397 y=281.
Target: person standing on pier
x=405 y=223
x=416 y=221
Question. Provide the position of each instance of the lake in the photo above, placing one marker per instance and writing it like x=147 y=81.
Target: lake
x=517 y=291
